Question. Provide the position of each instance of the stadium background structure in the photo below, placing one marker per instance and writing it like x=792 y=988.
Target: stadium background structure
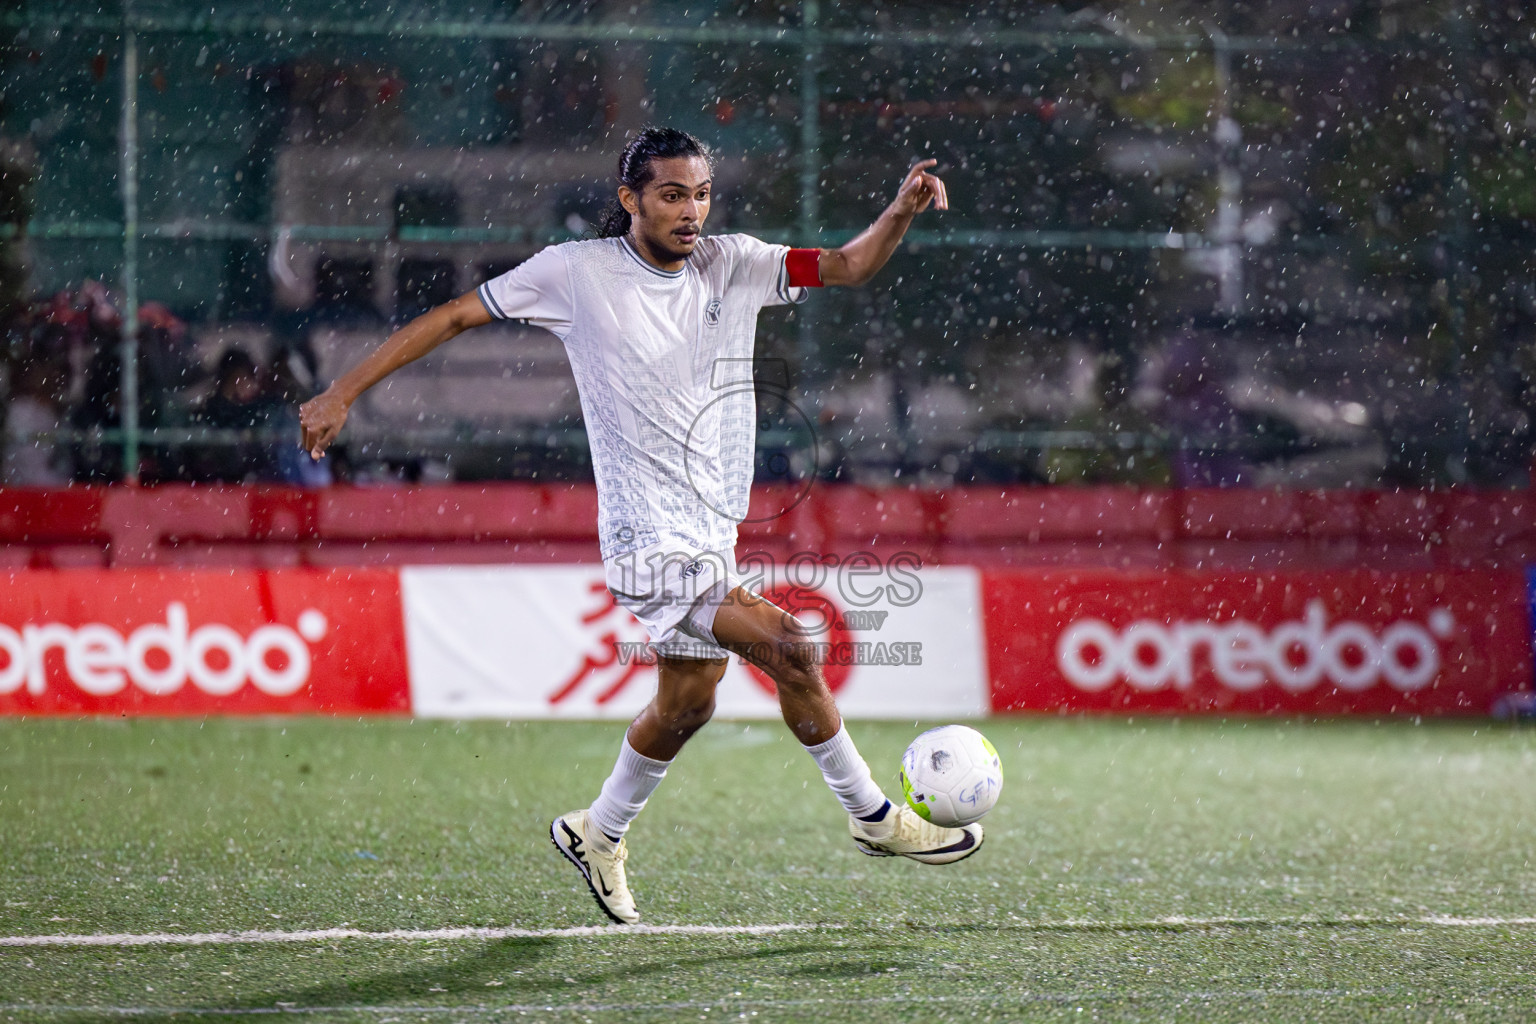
x=1457 y=264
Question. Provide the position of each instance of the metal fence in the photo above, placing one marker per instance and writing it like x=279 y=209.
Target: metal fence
x=1284 y=247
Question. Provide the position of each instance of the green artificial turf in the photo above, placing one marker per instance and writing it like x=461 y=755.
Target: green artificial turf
x=1134 y=870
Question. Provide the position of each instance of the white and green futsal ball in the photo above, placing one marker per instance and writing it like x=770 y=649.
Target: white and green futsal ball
x=951 y=775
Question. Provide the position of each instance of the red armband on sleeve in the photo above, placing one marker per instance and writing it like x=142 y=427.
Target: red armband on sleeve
x=804 y=268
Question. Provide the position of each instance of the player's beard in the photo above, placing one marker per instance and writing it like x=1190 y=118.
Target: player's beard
x=663 y=248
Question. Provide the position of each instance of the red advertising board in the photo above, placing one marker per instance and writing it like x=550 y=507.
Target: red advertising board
x=307 y=641
x=1353 y=642
x=191 y=643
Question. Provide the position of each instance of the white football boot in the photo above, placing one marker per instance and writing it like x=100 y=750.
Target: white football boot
x=901 y=833
x=600 y=861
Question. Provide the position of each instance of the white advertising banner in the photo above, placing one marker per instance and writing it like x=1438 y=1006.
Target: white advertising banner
x=550 y=642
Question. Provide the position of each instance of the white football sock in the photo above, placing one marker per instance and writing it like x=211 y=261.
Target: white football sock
x=847 y=774
x=633 y=779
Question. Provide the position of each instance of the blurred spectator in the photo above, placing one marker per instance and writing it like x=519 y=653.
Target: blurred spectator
x=264 y=406
x=95 y=460
x=169 y=363
x=290 y=382
x=237 y=403
x=36 y=407
x=57 y=328
x=78 y=336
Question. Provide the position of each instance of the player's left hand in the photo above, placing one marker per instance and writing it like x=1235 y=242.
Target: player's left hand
x=919 y=190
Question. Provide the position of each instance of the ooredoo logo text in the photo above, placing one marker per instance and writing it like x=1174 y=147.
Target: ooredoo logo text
x=161 y=657
x=1296 y=655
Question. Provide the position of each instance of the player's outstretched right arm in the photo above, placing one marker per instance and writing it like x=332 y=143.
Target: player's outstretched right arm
x=321 y=418
x=856 y=262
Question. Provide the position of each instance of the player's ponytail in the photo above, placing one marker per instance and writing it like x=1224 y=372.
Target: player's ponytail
x=635 y=169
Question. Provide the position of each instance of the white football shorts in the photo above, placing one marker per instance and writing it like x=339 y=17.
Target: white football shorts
x=675 y=596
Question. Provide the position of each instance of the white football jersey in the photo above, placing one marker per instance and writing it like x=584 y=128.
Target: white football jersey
x=663 y=365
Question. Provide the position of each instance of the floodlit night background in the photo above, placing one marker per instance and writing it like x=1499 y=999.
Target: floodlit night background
x=1190 y=244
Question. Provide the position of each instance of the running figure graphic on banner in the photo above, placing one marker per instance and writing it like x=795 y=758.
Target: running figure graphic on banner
x=649 y=313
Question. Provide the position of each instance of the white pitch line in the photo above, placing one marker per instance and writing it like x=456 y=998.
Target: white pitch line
x=1437 y=920
x=728 y=1005
x=399 y=935
x=625 y=931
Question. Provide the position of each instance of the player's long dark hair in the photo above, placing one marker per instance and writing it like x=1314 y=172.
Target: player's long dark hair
x=635 y=169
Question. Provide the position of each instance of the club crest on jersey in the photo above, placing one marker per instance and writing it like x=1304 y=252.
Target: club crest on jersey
x=712 y=313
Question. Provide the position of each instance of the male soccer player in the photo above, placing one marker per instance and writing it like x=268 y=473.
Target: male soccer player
x=649 y=313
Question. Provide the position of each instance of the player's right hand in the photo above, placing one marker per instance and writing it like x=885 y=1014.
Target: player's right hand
x=320 y=420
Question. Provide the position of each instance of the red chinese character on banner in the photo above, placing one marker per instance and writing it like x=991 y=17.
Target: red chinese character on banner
x=604 y=663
